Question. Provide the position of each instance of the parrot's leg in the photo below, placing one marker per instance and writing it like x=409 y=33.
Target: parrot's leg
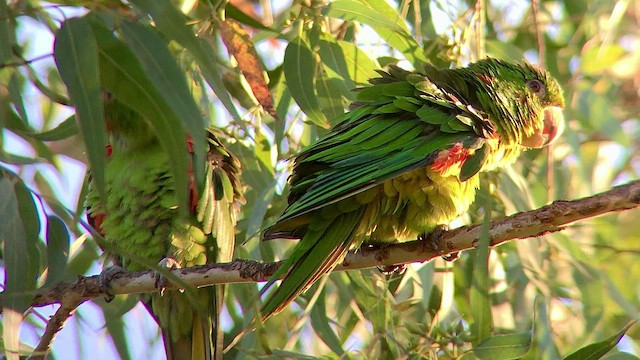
x=161 y=281
x=104 y=279
x=432 y=237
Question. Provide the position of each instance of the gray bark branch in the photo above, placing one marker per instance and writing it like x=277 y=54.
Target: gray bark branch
x=547 y=219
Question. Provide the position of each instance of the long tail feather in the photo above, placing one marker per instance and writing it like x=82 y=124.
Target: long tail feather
x=327 y=249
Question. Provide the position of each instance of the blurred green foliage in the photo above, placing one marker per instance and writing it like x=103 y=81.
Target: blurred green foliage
x=571 y=292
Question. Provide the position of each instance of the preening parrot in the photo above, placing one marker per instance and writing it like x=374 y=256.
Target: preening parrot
x=407 y=159
x=141 y=216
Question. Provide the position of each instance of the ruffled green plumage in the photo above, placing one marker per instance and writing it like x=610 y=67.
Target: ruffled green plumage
x=405 y=160
x=141 y=217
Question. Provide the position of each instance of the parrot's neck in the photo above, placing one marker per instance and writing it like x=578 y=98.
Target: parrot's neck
x=130 y=134
x=127 y=130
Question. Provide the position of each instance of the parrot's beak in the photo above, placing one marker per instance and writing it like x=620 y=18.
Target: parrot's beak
x=553 y=125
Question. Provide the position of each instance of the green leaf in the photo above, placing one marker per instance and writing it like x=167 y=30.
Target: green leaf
x=7 y=32
x=15 y=93
x=173 y=25
x=346 y=61
x=123 y=76
x=329 y=97
x=114 y=323
x=590 y=285
x=320 y=324
x=12 y=236
x=335 y=64
x=504 y=50
x=620 y=356
x=259 y=209
x=473 y=164
x=385 y=20
x=236 y=14
x=599 y=349
x=65 y=129
x=161 y=68
x=504 y=347
x=57 y=249
x=299 y=71
x=480 y=297
x=17 y=159
x=19 y=229
x=375 y=13
x=76 y=55
x=596 y=59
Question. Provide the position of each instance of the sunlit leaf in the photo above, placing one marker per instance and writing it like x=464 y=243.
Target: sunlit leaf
x=299 y=70
x=385 y=20
x=480 y=297
x=329 y=97
x=65 y=129
x=321 y=324
x=597 y=350
x=504 y=347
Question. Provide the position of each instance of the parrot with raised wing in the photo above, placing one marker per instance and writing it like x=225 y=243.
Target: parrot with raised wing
x=141 y=217
x=406 y=159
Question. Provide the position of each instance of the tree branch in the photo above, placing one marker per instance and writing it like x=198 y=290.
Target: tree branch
x=55 y=324
x=547 y=219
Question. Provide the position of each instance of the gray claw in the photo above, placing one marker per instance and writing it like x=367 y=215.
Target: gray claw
x=105 y=278
x=161 y=281
x=432 y=239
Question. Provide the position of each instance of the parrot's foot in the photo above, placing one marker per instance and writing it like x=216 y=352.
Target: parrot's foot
x=161 y=281
x=432 y=239
x=394 y=269
x=104 y=279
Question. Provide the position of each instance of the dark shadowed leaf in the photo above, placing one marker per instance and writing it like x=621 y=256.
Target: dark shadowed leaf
x=233 y=12
x=172 y=24
x=170 y=82
x=57 y=249
x=124 y=77
x=76 y=54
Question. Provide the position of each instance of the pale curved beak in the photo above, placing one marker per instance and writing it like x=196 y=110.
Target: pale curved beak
x=553 y=125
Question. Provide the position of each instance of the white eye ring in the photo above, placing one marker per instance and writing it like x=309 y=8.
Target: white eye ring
x=537 y=87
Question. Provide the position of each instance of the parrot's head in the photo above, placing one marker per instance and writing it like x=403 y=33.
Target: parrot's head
x=525 y=101
x=124 y=125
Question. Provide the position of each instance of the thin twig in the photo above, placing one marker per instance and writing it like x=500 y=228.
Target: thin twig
x=54 y=326
x=547 y=219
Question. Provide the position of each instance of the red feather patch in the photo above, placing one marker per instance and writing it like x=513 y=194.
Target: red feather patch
x=193 y=186
x=447 y=158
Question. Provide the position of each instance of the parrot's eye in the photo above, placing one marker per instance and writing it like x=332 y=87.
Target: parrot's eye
x=537 y=87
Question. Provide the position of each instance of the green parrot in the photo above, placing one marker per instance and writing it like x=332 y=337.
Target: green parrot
x=406 y=159
x=141 y=216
